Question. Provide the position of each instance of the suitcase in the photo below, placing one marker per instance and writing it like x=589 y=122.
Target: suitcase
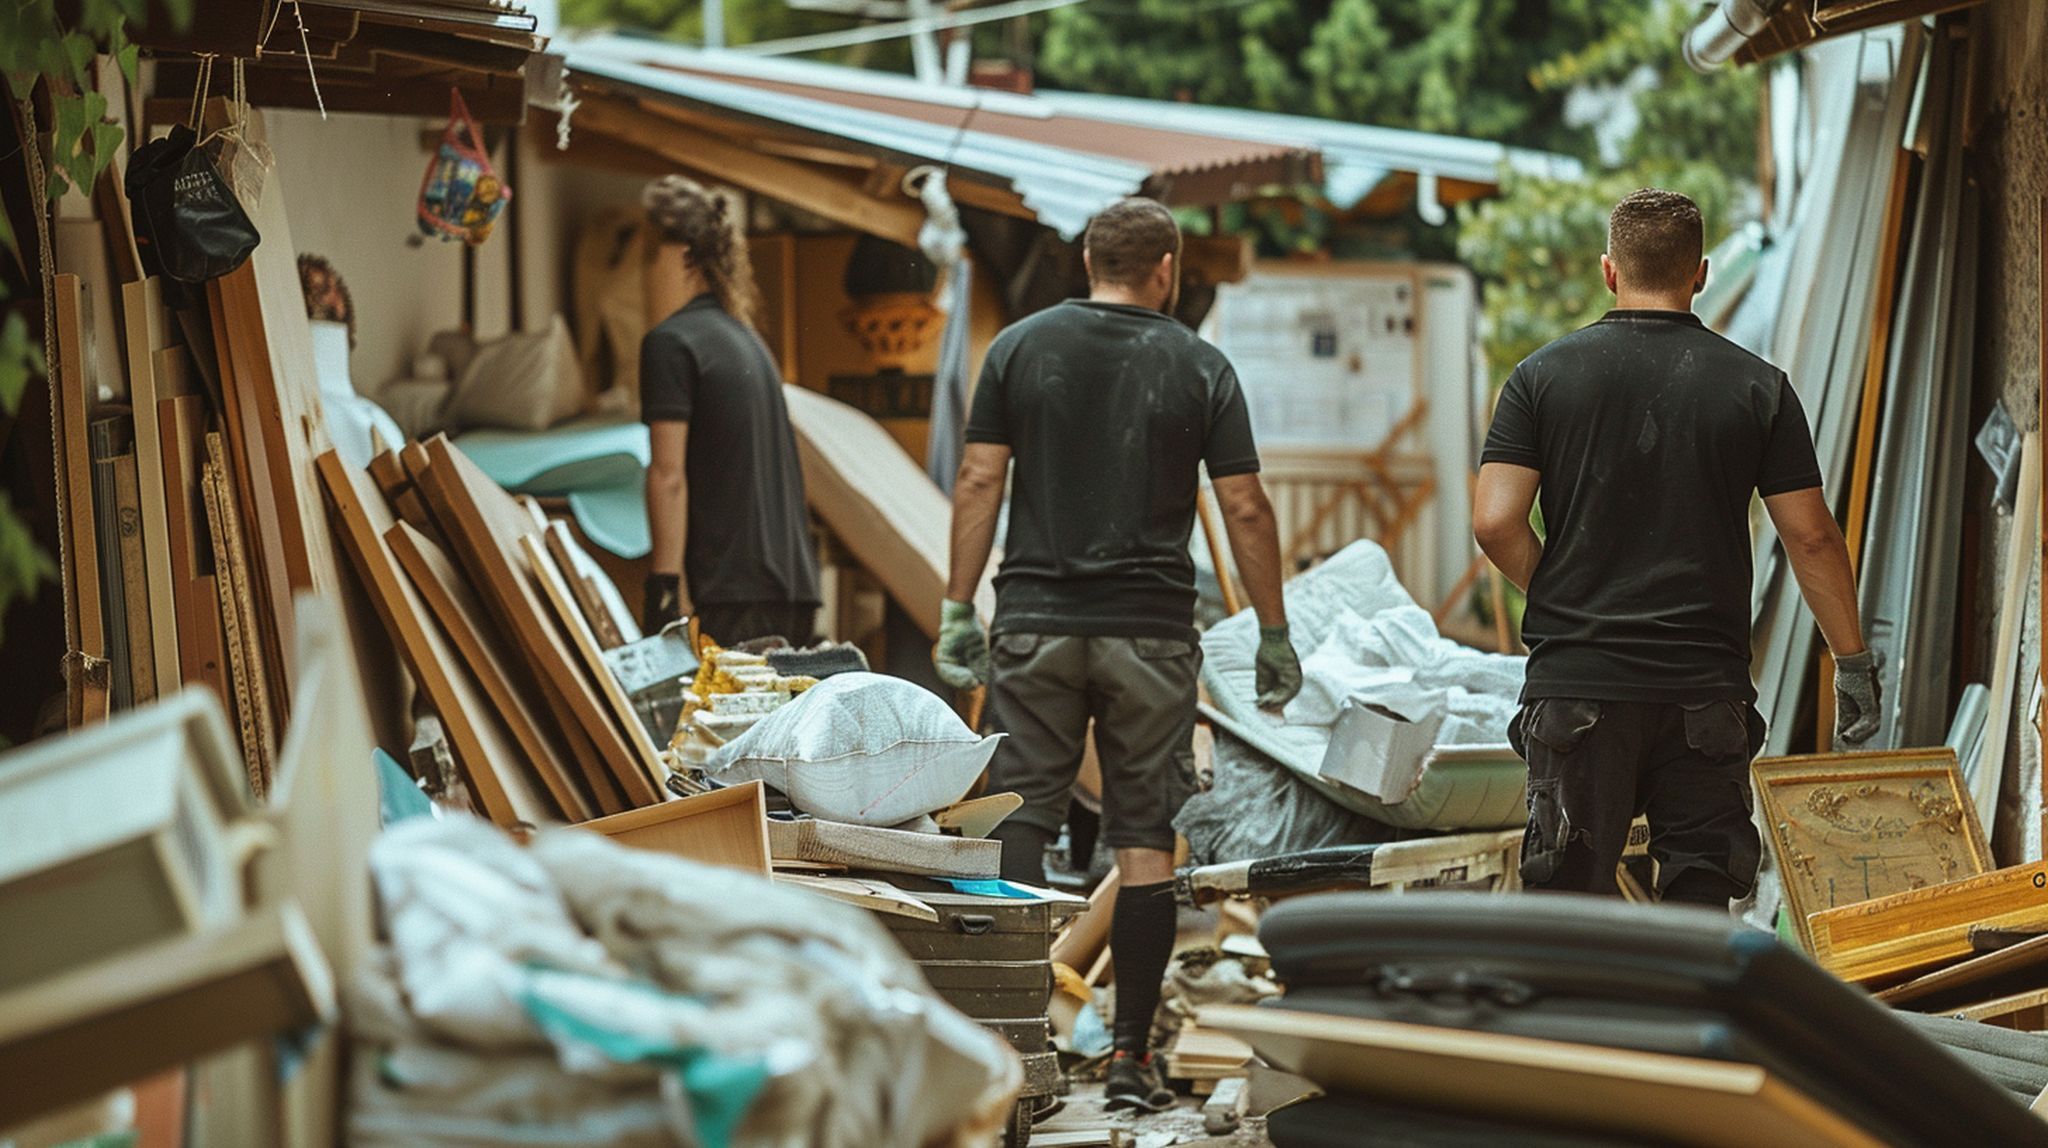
x=992 y=990
x=1648 y=978
x=972 y=928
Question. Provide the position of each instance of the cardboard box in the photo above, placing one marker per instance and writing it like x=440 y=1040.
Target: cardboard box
x=1380 y=746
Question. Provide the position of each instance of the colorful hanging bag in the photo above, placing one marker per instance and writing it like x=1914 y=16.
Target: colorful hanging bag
x=461 y=194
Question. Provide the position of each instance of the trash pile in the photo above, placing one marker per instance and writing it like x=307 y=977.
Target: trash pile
x=578 y=991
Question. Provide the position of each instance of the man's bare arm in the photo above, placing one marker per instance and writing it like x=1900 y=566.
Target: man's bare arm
x=1500 y=520
x=1254 y=543
x=1820 y=560
x=977 y=500
x=668 y=504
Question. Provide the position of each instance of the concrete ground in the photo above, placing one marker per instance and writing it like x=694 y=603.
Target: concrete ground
x=1177 y=1126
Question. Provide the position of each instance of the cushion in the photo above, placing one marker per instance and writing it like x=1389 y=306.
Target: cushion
x=520 y=382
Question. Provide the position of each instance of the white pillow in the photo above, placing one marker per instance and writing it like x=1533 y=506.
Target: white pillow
x=520 y=382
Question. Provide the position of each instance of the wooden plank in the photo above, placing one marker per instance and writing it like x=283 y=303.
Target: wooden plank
x=875 y=896
x=1643 y=1097
x=85 y=662
x=1088 y=933
x=245 y=652
x=880 y=504
x=645 y=756
x=895 y=217
x=2005 y=697
x=596 y=594
x=499 y=776
x=484 y=526
x=2026 y=1012
x=2030 y=954
x=978 y=816
x=142 y=310
x=1911 y=932
x=887 y=850
x=726 y=827
x=135 y=590
x=181 y=426
x=462 y=618
x=72 y=1037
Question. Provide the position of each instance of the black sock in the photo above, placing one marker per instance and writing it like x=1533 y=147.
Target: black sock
x=1023 y=851
x=1083 y=826
x=1141 y=941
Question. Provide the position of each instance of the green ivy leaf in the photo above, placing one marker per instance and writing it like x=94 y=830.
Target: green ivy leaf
x=129 y=56
x=20 y=360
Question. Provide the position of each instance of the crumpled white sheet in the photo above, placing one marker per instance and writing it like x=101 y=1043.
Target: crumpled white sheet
x=544 y=995
x=1360 y=634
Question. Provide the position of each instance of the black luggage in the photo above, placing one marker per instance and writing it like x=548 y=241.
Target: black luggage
x=1647 y=978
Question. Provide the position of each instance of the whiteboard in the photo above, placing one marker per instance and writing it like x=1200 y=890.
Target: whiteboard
x=1327 y=361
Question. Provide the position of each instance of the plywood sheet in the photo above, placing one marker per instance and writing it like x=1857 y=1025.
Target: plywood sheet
x=483 y=650
x=726 y=827
x=892 y=517
x=570 y=617
x=1646 y=1097
x=484 y=525
x=502 y=780
x=888 y=850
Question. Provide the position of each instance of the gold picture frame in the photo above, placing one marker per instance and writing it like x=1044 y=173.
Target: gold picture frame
x=1847 y=827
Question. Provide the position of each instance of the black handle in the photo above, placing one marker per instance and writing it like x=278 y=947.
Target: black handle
x=975 y=924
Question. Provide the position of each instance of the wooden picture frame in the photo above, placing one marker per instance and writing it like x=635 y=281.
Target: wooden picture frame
x=1824 y=814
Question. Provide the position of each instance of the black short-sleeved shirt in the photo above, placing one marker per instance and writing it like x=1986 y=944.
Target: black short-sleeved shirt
x=1108 y=410
x=1651 y=433
x=749 y=536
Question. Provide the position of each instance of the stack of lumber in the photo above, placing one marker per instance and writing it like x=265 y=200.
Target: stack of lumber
x=468 y=581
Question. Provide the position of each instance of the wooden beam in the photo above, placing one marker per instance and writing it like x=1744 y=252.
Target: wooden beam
x=725 y=161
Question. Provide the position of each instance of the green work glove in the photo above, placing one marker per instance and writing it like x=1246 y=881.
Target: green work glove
x=961 y=656
x=1856 y=698
x=1279 y=671
x=661 y=601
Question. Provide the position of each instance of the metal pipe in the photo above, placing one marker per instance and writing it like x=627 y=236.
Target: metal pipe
x=1727 y=28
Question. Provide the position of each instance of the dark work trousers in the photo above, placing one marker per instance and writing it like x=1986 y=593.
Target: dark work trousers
x=1595 y=766
x=730 y=623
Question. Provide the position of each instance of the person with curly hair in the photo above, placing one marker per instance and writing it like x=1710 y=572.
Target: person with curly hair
x=725 y=495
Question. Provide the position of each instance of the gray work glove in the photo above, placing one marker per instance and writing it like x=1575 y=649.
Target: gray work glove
x=961 y=656
x=1279 y=671
x=1856 y=695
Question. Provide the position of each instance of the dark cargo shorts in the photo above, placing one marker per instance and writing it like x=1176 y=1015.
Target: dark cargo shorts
x=1043 y=688
x=1594 y=766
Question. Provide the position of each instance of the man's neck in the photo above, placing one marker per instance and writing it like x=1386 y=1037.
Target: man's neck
x=1651 y=301
x=1112 y=293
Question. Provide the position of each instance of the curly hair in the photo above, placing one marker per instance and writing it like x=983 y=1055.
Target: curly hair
x=1655 y=239
x=326 y=293
x=685 y=212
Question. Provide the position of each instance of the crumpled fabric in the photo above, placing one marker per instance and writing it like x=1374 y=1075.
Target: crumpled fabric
x=1364 y=634
x=579 y=992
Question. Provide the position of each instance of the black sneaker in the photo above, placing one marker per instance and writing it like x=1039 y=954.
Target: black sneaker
x=1133 y=1084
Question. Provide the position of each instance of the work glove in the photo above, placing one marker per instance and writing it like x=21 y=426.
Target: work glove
x=961 y=656
x=1856 y=694
x=1279 y=671
x=662 y=602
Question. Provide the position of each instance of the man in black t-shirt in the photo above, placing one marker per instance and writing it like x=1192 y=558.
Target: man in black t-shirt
x=1646 y=436
x=1107 y=407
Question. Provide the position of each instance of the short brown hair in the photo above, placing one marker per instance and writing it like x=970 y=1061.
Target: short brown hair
x=1655 y=239
x=1126 y=239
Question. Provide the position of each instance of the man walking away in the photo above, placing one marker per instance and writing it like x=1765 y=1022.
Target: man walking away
x=1646 y=435
x=725 y=495
x=1107 y=407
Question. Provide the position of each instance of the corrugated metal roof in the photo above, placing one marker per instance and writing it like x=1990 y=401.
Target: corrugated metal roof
x=1356 y=157
x=1062 y=187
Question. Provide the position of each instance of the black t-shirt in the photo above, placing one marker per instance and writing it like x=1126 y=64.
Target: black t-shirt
x=749 y=535
x=1108 y=410
x=1651 y=433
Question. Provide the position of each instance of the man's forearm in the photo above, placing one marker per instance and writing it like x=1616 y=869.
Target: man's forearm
x=1516 y=556
x=1828 y=583
x=1255 y=545
x=975 y=507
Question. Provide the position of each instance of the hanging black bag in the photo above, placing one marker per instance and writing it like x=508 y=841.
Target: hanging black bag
x=188 y=225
